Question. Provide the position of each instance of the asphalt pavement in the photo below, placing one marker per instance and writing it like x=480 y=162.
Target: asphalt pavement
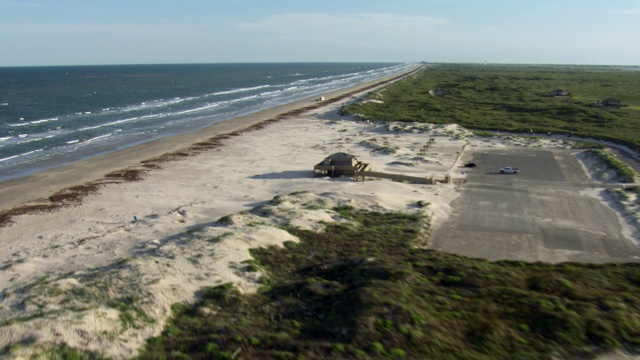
x=546 y=212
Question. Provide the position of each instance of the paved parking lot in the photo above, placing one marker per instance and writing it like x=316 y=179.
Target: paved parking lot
x=544 y=213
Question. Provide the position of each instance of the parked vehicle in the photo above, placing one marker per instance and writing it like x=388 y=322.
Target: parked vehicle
x=470 y=165
x=509 y=170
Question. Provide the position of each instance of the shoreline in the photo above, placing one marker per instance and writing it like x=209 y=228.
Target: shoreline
x=42 y=185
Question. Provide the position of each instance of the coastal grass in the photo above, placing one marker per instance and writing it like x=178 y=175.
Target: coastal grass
x=362 y=289
x=623 y=171
x=515 y=99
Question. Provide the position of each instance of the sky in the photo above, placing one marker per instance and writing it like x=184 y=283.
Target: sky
x=89 y=32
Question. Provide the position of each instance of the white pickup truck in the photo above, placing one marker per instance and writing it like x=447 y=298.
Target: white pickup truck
x=509 y=170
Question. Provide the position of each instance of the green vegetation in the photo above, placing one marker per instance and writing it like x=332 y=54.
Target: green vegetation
x=624 y=172
x=516 y=99
x=64 y=352
x=628 y=198
x=367 y=292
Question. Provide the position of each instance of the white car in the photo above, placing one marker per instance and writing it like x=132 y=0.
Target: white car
x=509 y=170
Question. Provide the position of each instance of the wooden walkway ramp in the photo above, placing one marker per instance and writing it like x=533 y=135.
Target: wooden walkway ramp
x=397 y=177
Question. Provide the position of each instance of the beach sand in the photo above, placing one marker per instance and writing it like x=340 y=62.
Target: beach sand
x=102 y=274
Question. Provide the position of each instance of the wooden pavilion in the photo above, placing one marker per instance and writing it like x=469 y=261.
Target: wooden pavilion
x=340 y=164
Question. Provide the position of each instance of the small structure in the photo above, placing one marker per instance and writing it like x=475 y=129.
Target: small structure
x=339 y=164
x=438 y=92
x=611 y=102
x=560 y=92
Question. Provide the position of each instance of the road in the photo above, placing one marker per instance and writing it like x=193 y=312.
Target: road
x=544 y=213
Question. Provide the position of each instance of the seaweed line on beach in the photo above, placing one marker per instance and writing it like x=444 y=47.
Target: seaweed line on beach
x=74 y=195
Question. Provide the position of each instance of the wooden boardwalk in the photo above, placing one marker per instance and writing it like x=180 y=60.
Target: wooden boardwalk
x=362 y=175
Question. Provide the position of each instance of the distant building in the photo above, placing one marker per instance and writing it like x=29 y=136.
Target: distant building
x=438 y=92
x=612 y=102
x=339 y=164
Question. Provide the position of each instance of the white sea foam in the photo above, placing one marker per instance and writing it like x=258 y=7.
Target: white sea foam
x=26 y=154
x=202 y=108
x=234 y=91
x=269 y=93
x=30 y=140
x=32 y=152
x=122 y=121
x=9 y=158
x=97 y=138
x=215 y=105
x=34 y=122
x=156 y=104
x=43 y=121
x=243 y=99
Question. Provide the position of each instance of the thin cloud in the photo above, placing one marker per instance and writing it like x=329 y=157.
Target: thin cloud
x=635 y=11
x=65 y=29
x=27 y=5
x=356 y=37
x=353 y=23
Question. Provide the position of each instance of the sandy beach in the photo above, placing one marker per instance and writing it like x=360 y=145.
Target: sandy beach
x=43 y=184
x=136 y=247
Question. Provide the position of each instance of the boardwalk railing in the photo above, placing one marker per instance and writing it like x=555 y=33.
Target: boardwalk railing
x=396 y=177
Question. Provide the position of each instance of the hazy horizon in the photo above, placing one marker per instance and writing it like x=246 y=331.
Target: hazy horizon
x=332 y=62
x=74 y=32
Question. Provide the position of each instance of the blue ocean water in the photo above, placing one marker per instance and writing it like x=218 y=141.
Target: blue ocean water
x=56 y=115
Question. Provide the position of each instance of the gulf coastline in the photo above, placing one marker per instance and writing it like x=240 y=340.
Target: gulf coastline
x=50 y=116
x=43 y=184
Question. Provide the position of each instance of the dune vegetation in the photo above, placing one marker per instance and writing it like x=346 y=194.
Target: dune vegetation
x=516 y=99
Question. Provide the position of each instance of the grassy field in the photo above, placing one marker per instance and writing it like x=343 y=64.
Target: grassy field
x=516 y=99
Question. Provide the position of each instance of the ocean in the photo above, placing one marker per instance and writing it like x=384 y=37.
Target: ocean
x=51 y=116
